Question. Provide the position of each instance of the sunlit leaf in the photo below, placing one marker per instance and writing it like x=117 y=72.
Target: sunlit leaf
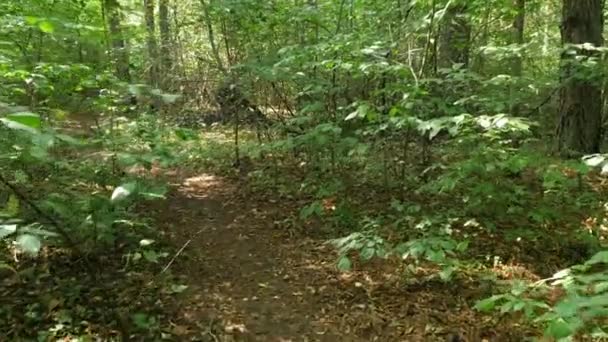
x=46 y=26
x=26 y=118
x=29 y=244
x=146 y=242
x=594 y=160
x=599 y=258
x=7 y=229
x=122 y=192
x=17 y=126
x=175 y=288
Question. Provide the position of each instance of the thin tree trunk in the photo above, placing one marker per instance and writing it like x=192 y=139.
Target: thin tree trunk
x=455 y=36
x=518 y=38
x=211 y=36
x=518 y=34
x=120 y=53
x=151 y=42
x=165 y=37
x=580 y=120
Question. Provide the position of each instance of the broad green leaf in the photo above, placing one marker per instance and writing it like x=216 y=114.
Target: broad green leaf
x=26 y=118
x=488 y=304
x=344 y=264
x=29 y=244
x=7 y=229
x=367 y=253
x=46 y=26
x=38 y=231
x=17 y=126
x=559 y=329
x=599 y=258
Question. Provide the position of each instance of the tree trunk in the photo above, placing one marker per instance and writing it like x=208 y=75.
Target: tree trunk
x=211 y=36
x=580 y=118
x=455 y=35
x=165 y=37
x=518 y=34
x=120 y=53
x=517 y=63
x=151 y=42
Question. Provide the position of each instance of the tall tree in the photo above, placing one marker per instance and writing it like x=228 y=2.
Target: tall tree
x=120 y=53
x=518 y=38
x=455 y=36
x=151 y=42
x=580 y=114
x=518 y=33
x=165 y=36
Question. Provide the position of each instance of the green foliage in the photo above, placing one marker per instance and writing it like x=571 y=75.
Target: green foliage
x=579 y=309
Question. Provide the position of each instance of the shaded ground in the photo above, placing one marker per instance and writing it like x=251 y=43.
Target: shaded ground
x=251 y=280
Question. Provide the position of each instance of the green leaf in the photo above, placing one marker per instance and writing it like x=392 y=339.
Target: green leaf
x=175 y=288
x=344 y=264
x=599 y=258
x=559 y=329
x=446 y=273
x=29 y=244
x=7 y=229
x=26 y=118
x=367 y=253
x=17 y=126
x=488 y=304
x=46 y=26
x=141 y=320
x=31 y=20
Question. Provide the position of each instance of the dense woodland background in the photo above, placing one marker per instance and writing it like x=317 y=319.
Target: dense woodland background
x=454 y=145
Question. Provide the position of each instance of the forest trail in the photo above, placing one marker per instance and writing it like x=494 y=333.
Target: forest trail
x=249 y=280
x=246 y=281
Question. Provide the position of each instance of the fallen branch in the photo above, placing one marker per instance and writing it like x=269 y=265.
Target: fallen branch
x=179 y=252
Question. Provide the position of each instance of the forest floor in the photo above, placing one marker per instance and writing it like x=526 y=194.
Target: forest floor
x=249 y=280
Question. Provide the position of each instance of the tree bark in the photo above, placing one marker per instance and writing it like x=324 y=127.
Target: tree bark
x=455 y=36
x=165 y=37
x=518 y=34
x=120 y=52
x=517 y=63
x=151 y=42
x=580 y=115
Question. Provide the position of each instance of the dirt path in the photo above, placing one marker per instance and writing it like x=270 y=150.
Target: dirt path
x=249 y=281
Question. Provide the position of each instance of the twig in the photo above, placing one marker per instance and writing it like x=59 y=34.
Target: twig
x=179 y=252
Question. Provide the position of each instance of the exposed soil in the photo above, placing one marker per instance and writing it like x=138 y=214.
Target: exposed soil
x=252 y=280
